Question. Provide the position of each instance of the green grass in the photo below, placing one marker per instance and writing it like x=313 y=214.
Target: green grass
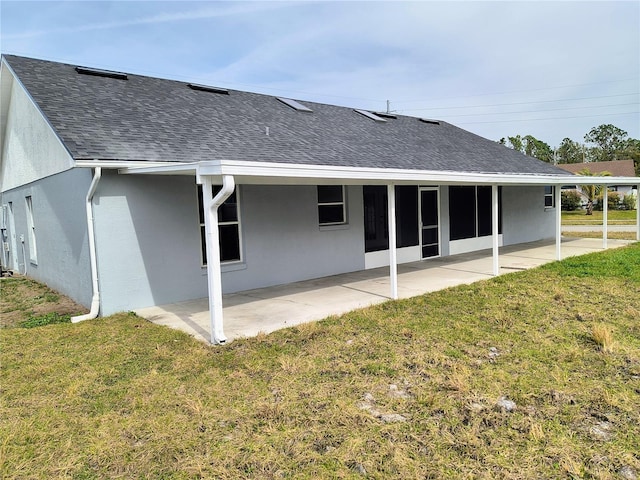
x=610 y=235
x=119 y=397
x=614 y=217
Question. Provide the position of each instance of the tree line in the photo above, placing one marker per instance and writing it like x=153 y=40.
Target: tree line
x=603 y=143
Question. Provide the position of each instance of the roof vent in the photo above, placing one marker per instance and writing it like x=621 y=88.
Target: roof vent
x=386 y=115
x=429 y=121
x=205 y=88
x=370 y=115
x=295 y=105
x=101 y=73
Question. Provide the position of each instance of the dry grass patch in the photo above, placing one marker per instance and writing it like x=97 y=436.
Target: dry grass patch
x=120 y=397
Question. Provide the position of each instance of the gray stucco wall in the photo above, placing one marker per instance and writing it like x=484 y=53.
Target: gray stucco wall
x=148 y=240
x=524 y=217
x=59 y=214
x=283 y=242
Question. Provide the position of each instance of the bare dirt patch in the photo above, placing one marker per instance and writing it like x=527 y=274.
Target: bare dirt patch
x=21 y=298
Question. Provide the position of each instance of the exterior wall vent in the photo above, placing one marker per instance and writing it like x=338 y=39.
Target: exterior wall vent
x=205 y=88
x=370 y=115
x=101 y=73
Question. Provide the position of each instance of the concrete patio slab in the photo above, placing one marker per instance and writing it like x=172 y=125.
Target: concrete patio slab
x=268 y=309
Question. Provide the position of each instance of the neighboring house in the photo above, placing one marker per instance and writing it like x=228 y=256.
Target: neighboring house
x=111 y=185
x=616 y=168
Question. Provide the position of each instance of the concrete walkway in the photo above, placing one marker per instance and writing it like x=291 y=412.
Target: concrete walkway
x=268 y=309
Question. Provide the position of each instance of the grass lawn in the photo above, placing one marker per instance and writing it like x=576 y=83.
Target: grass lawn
x=610 y=235
x=405 y=389
x=614 y=217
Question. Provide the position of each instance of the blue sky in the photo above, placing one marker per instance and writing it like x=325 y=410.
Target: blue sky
x=549 y=69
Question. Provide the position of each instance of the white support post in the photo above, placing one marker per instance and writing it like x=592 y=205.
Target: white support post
x=558 y=205
x=494 y=230
x=605 y=215
x=214 y=273
x=393 y=258
x=638 y=212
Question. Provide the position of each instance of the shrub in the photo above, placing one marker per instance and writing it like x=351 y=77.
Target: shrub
x=571 y=200
x=629 y=202
x=613 y=201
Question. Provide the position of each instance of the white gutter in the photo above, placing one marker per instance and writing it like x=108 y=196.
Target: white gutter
x=214 y=274
x=95 y=301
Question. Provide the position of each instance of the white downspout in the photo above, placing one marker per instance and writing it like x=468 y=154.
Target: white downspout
x=213 y=253
x=95 y=300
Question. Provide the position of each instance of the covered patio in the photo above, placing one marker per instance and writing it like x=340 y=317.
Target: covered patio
x=268 y=309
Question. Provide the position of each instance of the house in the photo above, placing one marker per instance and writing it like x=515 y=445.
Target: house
x=616 y=168
x=124 y=191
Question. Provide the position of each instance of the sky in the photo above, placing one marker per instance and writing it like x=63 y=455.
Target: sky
x=545 y=68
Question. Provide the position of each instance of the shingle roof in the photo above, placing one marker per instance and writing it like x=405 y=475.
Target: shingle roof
x=145 y=118
x=617 y=168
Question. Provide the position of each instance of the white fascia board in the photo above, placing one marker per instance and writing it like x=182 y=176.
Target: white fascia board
x=386 y=175
x=264 y=172
x=130 y=166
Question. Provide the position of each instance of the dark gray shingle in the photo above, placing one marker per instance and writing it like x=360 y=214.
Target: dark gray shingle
x=144 y=118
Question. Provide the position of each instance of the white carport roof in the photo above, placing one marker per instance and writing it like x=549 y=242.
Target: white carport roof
x=281 y=173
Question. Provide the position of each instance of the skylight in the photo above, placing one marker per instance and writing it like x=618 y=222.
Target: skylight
x=206 y=88
x=295 y=105
x=386 y=115
x=370 y=115
x=428 y=120
x=101 y=73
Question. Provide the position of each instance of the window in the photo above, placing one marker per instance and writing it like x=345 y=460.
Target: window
x=33 y=251
x=228 y=227
x=331 y=205
x=549 y=197
x=470 y=212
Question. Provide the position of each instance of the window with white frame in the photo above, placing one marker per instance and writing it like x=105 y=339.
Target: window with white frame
x=33 y=251
x=331 y=205
x=549 y=197
x=228 y=227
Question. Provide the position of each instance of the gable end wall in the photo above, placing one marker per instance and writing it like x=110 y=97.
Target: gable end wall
x=31 y=150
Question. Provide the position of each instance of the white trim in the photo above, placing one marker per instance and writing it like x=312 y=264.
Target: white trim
x=473 y=244
x=380 y=258
x=33 y=249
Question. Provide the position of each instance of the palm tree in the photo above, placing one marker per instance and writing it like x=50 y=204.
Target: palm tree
x=591 y=191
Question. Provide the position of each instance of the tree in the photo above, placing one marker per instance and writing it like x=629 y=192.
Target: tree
x=570 y=151
x=609 y=141
x=529 y=145
x=538 y=149
x=591 y=191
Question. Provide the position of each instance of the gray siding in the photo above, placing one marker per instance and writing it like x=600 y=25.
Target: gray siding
x=61 y=232
x=524 y=217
